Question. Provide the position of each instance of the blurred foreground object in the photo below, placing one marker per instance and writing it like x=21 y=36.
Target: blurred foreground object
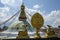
x=50 y=33
x=37 y=22
x=23 y=34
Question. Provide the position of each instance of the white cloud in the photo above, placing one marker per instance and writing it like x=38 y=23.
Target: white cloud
x=33 y=11
x=53 y=18
x=56 y=23
x=36 y=7
x=9 y=8
x=13 y=3
x=3 y=13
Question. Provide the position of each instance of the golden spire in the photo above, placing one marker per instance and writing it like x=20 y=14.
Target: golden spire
x=22 y=14
x=22 y=6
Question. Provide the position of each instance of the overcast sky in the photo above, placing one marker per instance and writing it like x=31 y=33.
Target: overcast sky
x=49 y=9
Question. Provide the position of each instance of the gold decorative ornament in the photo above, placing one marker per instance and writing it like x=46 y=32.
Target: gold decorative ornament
x=37 y=22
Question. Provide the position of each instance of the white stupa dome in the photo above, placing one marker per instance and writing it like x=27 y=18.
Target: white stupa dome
x=16 y=26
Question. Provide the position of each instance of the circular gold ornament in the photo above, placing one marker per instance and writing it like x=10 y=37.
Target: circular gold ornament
x=37 y=20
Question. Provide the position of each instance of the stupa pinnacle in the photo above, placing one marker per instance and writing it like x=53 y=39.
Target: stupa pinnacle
x=22 y=16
